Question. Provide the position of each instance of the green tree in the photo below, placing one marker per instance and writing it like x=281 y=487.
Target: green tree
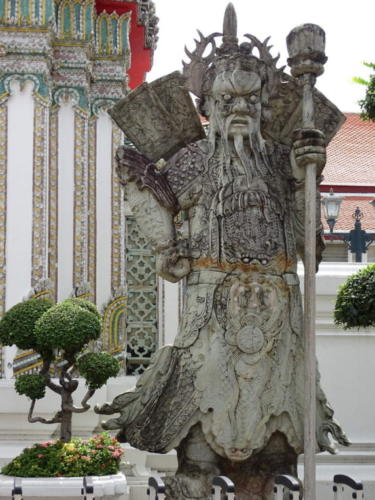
x=355 y=303
x=63 y=329
x=368 y=103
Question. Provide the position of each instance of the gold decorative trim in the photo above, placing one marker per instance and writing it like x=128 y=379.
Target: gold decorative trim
x=30 y=369
x=113 y=24
x=80 y=246
x=73 y=31
x=118 y=219
x=53 y=198
x=39 y=232
x=110 y=330
x=71 y=43
x=29 y=28
x=24 y=354
x=92 y=206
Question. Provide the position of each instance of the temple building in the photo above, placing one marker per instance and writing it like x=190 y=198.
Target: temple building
x=64 y=230
x=350 y=175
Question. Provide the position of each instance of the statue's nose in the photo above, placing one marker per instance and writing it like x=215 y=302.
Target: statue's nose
x=240 y=105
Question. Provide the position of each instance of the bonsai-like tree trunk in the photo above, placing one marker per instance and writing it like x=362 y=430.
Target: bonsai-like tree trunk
x=66 y=416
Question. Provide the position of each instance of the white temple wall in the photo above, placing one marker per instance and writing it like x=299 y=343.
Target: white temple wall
x=103 y=208
x=347 y=365
x=19 y=192
x=18 y=200
x=65 y=200
x=345 y=357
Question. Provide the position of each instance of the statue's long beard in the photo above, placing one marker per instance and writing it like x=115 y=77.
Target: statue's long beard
x=248 y=147
x=238 y=143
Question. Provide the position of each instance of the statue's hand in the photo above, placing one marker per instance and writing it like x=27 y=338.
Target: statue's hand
x=131 y=165
x=134 y=166
x=309 y=147
x=172 y=262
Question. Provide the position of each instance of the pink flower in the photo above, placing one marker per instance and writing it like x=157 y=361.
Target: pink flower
x=85 y=458
x=40 y=455
x=99 y=446
x=117 y=453
x=45 y=445
x=111 y=448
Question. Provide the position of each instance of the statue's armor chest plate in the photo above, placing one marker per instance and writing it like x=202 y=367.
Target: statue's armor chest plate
x=233 y=219
x=249 y=225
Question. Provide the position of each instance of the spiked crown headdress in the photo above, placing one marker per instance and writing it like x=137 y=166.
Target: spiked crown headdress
x=201 y=71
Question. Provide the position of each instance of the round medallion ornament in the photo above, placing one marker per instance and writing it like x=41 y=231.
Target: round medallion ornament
x=250 y=339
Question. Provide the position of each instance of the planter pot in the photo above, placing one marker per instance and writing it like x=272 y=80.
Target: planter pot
x=113 y=487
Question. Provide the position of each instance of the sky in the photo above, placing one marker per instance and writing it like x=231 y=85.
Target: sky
x=349 y=27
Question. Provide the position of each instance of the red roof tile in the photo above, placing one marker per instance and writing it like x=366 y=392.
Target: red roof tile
x=351 y=154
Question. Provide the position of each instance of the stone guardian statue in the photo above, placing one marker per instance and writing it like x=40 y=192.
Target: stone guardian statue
x=228 y=395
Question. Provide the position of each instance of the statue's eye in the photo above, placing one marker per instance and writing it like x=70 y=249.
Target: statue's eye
x=253 y=98
x=227 y=97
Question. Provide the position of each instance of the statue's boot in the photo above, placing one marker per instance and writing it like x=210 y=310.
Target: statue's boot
x=197 y=465
x=254 y=478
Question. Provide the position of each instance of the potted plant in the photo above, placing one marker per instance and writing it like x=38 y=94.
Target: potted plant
x=60 y=333
x=355 y=303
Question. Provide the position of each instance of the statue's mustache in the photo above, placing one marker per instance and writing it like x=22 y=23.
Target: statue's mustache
x=244 y=119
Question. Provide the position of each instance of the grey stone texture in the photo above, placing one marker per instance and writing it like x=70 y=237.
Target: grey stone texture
x=229 y=394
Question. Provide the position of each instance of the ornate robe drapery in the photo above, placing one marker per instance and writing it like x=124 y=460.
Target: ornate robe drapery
x=236 y=366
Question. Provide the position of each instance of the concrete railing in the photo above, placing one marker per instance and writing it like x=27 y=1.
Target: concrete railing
x=110 y=487
x=342 y=483
x=287 y=484
x=222 y=487
x=156 y=489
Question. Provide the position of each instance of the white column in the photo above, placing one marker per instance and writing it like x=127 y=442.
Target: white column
x=19 y=200
x=65 y=199
x=103 y=208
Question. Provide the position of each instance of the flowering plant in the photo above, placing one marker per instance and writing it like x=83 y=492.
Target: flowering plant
x=98 y=456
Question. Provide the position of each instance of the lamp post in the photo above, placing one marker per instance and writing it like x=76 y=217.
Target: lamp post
x=357 y=240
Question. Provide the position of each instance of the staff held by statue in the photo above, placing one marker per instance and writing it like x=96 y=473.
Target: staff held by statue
x=306 y=46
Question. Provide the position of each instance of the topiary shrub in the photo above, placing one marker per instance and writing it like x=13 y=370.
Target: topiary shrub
x=76 y=327
x=97 y=456
x=97 y=368
x=85 y=304
x=355 y=303
x=17 y=324
x=33 y=386
x=63 y=329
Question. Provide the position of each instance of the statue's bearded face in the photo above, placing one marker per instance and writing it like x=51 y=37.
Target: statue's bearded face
x=236 y=102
